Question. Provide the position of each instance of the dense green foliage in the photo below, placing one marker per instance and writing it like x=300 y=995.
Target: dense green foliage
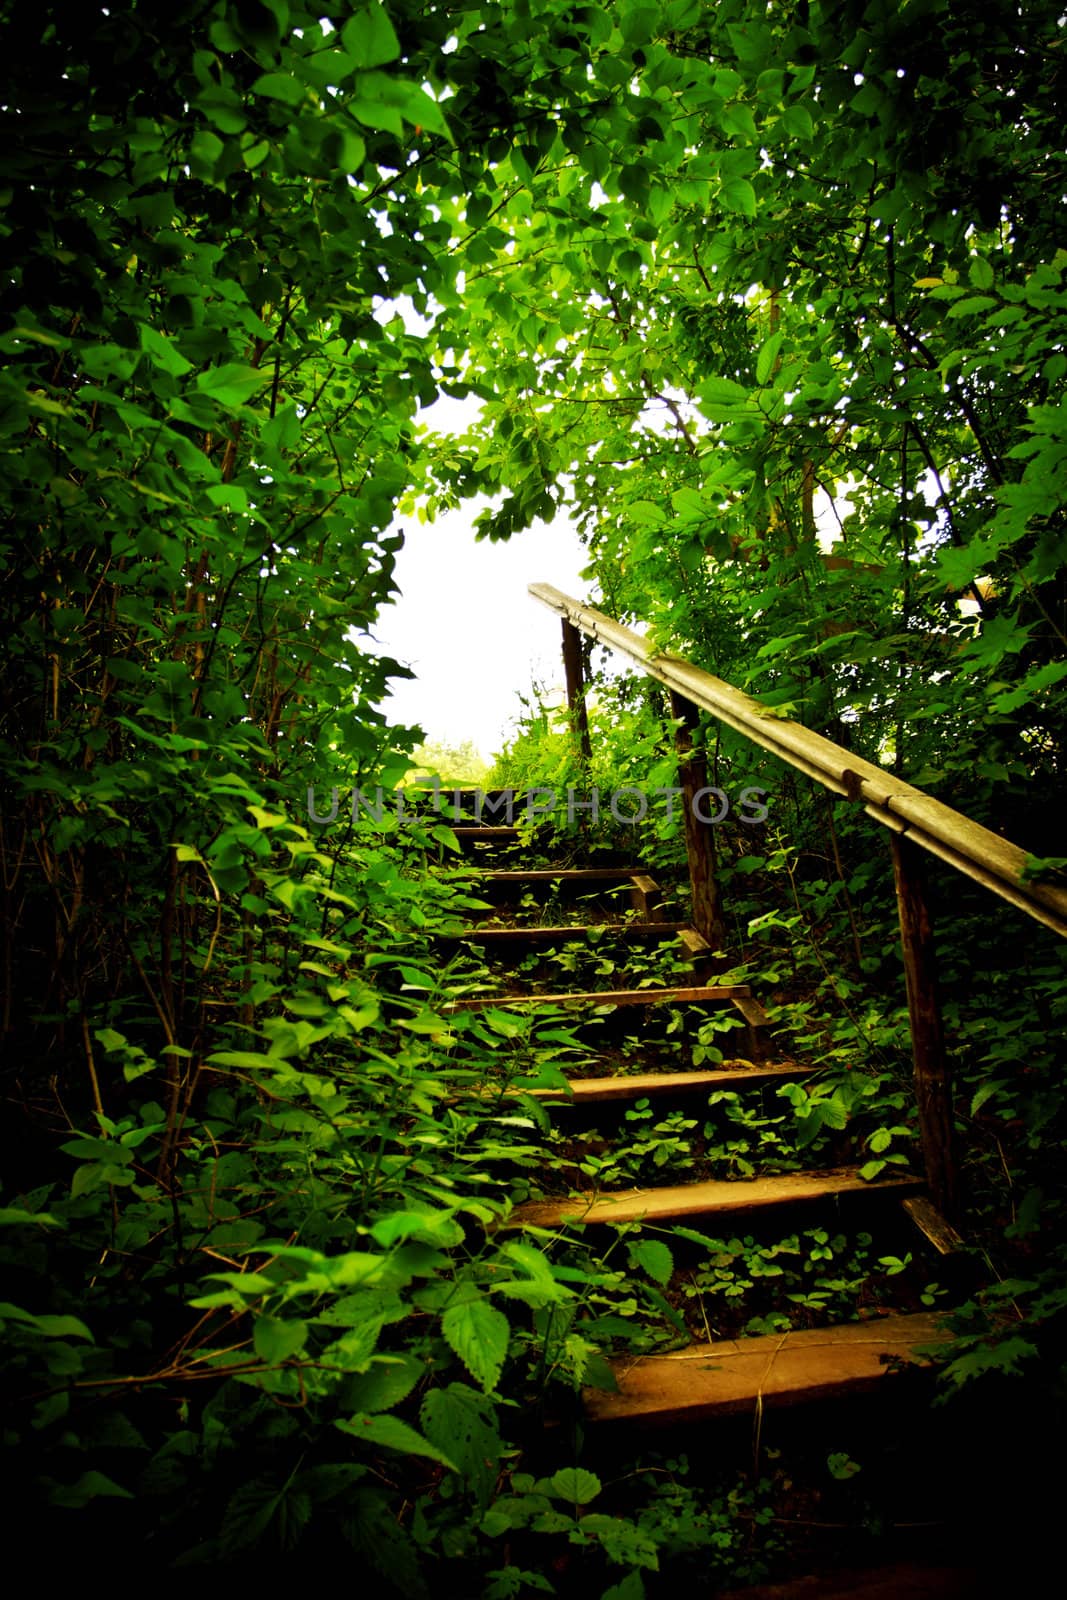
x=700 y=264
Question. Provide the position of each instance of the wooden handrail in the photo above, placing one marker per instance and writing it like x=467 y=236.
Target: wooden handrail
x=906 y=811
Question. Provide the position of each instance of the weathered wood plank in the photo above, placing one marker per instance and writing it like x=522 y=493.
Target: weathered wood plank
x=936 y=1228
x=933 y=1078
x=565 y=876
x=476 y=832
x=695 y=945
x=645 y=896
x=591 y=1091
x=677 y=1201
x=738 y=1375
x=704 y=995
x=574 y=673
x=756 y=1023
x=699 y=835
x=623 y=931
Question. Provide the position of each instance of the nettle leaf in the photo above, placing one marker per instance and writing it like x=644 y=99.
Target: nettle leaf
x=437 y=1227
x=479 y=1334
x=392 y=1434
x=981 y=1095
x=390 y=1380
x=653 y=1257
x=463 y=1422
x=255 y=1506
x=276 y=1339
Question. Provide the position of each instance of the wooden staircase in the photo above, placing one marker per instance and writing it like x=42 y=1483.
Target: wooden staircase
x=725 y=1376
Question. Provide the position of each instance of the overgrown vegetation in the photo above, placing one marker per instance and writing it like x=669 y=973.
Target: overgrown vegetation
x=708 y=270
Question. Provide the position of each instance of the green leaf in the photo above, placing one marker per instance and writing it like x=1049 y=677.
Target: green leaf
x=462 y=1422
x=796 y=121
x=261 y=1504
x=634 y=184
x=16 y=1217
x=279 y=86
x=721 y=399
x=479 y=1334
x=231 y=384
x=981 y=1095
x=980 y=273
x=575 y=1485
x=390 y=1380
x=164 y=352
x=646 y=512
x=739 y=195
x=653 y=1257
x=768 y=355
x=370 y=39
x=971 y=305
x=392 y=1434
x=632 y=1587
x=61 y=1327
x=90 y=1486
x=276 y=1339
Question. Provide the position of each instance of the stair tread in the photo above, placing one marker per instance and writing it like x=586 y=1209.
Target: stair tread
x=737 y=1375
x=643 y=1083
x=604 y=997
x=675 y=1201
x=563 y=874
x=483 y=831
x=573 y=930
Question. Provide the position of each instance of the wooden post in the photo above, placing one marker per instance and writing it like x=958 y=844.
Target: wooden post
x=575 y=676
x=933 y=1079
x=699 y=835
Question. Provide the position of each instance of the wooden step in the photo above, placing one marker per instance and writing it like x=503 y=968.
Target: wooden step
x=645 y=896
x=476 y=834
x=606 y=997
x=593 y=1091
x=741 y=1375
x=566 y=877
x=605 y=931
x=714 y=1197
x=757 y=1023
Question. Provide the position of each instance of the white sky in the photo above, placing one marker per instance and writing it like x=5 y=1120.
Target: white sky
x=463 y=621
x=465 y=624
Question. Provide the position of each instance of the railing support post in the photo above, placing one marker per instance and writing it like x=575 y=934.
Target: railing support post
x=933 y=1078
x=699 y=835
x=575 y=675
